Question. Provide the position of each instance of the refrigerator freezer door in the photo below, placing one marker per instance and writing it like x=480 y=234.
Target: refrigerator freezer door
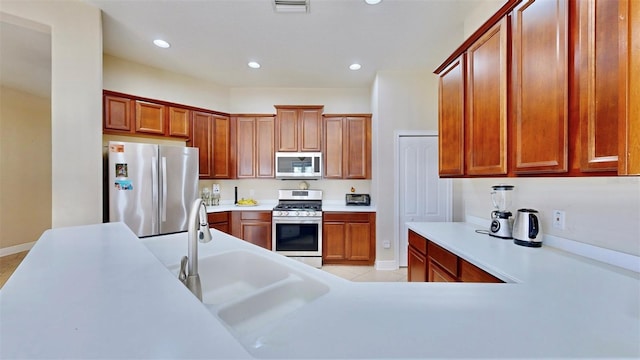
x=178 y=186
x=130 y=184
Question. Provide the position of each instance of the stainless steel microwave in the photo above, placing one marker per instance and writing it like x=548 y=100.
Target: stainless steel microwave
x=298 y=165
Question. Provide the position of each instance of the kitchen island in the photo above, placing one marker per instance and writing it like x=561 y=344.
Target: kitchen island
x=98 y=291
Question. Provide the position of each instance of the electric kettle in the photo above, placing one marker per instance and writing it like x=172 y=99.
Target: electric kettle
x=526 y=228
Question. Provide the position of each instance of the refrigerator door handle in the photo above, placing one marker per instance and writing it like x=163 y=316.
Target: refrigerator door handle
x=164 y=189
x=154 y=191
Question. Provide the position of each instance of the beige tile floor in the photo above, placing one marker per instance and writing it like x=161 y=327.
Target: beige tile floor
x=366 y=273
x=9 y=263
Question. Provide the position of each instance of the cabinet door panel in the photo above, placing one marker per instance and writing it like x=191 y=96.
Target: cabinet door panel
x=257 y=233
x=333 y=148
x=265 y=147
x=358 y=241
x=222 y=164
x=540 y=77
x=287 y=130
x=201 y=138
x=358 y=148
x=245 y=145
x=417 y=266
x=178 y=122
x=438 y=274
x=333 y=241
x=599 y=98
x=150 y=118
x=310 y=130
x=472 y=273
x=117 y=113
x=486 y=123
x=451 y=119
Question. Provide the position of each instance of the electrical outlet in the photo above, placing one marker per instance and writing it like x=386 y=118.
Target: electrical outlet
x=386 y=244
x=558 y=219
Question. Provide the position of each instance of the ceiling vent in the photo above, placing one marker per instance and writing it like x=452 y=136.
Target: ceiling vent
x=291 y=6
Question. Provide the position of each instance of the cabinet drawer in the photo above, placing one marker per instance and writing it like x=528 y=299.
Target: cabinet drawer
x=472 y=273
x=344 y=216
x=444 y=258
x=256 y=215
x=418 y=242
x=218 y=217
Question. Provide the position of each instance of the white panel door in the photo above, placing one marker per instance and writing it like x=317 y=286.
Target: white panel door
x=423 y=196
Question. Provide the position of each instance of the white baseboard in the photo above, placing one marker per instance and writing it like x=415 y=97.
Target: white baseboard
x=386 y=265
x=611 y=257
x=16 y=248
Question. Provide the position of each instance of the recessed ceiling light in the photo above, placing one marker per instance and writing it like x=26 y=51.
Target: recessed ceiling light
x=373 y=2
x=161 y=43
x=253 y=65
x=355 y=66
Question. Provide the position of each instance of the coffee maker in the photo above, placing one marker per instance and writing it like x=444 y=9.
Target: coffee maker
x=501 y=222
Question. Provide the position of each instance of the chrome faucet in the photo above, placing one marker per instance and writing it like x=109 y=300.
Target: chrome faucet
x=198 y=231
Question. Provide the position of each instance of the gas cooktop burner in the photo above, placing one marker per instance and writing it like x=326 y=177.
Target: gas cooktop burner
x=298 y=206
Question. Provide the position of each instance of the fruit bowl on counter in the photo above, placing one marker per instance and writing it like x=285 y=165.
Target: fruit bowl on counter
x=247 y=202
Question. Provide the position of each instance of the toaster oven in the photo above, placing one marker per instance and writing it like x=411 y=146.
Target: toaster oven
x=358 y=199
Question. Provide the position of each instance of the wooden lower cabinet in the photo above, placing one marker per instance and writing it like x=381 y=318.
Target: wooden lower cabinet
x=349 y=238
x=472 y=273
x=417 y=261
x=435 y=273
x=220 y=221
x=252 y=226
x=432 y=263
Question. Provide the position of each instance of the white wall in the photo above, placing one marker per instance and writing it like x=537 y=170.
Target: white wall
x=136 y=79
x=403 y=101
x=76 y=105
x=25 y=167
x=335 y=101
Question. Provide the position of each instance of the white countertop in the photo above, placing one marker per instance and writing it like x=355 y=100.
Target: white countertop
x=108 y=296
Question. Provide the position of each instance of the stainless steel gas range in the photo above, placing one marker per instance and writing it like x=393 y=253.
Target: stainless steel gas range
x=297 y=225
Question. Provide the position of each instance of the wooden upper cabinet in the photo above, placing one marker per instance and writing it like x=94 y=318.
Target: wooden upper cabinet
x=223 y=163
x=179 y=120
x=598 y=63
x=540 y=87
x=310 y=134
x=347 y=146
x=265 y=147
x=202 y=138
x=357 y=158
x=150 y=118
x=333 y=151
x=212 y=134
x=299 y=128
x=486 y=95
x=451 y=99
x=255 y=146
x=629 y=126
x=139 y=116
x=117 y=113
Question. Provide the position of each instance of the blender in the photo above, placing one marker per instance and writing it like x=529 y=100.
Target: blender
x=501 y=224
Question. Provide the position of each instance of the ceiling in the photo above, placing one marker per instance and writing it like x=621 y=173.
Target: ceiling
x=215 y=39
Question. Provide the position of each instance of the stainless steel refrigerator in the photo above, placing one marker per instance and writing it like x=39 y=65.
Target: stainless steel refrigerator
x=151 y=187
